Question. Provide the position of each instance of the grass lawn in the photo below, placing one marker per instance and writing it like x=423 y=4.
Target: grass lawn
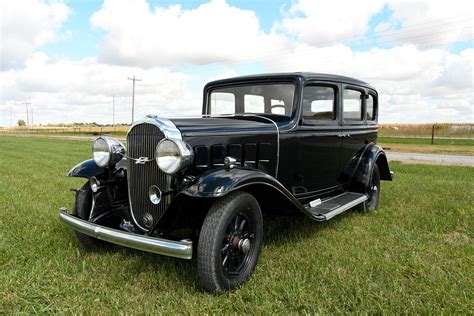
x=414 y=254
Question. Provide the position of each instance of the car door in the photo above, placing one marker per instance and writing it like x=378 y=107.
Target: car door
x=359 y=126
x=319 y=137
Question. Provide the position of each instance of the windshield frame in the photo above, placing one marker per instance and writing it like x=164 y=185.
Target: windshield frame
x=212 y=87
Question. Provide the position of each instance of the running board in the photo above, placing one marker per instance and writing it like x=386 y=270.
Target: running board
x=333 y=206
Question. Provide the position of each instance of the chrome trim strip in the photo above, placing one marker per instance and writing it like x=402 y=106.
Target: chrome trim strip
x=278 y=140
x=166 y=126
x=180 y=249
x=255 y=115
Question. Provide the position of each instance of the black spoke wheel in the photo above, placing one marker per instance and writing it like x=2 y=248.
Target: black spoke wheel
x=372 y=192
x=230 y=242
x=237 y=245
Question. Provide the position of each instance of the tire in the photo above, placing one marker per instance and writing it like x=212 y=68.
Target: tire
x=373 y=192
x=82 y=209
x=232 y=229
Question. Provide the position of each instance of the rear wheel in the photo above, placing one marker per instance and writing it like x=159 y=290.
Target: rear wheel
x=373 y=192
x=82 y=209
x=230 y=242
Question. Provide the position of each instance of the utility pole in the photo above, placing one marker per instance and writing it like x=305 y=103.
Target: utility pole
x=27 y=115
x=133 y=95
x=113 y=111
x=31 y=108
x=11 y=115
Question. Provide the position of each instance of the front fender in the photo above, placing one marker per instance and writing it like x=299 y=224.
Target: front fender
x=86 y=169
x=217 y=183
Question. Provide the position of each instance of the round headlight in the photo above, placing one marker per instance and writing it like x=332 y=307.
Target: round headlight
x=173 y=155
x=107 y=151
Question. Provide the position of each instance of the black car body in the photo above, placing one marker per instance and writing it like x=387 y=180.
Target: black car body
x=297 y=141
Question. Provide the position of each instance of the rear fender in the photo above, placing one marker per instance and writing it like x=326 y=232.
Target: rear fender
x=372 y=155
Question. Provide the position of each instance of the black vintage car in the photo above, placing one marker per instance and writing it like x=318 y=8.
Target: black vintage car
x=301 y=142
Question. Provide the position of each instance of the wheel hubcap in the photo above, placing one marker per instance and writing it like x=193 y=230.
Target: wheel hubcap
x=244 y=245
x=237 y=245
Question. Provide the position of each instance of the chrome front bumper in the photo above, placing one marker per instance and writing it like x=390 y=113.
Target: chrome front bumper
x=180 y=249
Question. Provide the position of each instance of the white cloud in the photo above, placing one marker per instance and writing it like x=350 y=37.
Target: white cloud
x=81 y=91
x=214 y=32
x=428 y=23
x=27 y=25
x=322 y=22
x=425 y=23
x=414 y=85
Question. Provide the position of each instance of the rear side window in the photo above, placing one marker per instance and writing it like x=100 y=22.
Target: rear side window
x=352 y=105
x=371 y=107
x=319 y=103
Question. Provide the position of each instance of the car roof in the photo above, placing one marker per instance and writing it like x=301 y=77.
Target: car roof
x=302 y=75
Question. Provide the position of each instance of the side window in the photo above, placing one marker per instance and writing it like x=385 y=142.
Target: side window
x=352 y=105
x=319 y=103
x=222 y=103
x=254 y=103
x=371 y=107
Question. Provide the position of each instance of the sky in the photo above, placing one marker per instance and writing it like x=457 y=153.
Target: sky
x=71 y=59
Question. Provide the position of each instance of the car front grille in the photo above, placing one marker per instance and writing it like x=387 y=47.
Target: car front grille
x=141 y=142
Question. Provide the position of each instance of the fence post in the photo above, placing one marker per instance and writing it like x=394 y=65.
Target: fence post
x=432 y=134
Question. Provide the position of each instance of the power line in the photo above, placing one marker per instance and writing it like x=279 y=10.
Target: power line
x=133 y=96
x=406 y=29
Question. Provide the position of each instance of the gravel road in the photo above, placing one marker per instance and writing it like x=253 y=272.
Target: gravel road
x=431 y=158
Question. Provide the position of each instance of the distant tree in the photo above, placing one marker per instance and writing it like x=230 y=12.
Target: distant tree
x=21 y=122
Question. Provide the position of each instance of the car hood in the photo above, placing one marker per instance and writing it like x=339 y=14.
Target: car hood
x=205 y=125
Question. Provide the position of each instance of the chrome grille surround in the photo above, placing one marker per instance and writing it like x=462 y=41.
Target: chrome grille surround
x=142 y=139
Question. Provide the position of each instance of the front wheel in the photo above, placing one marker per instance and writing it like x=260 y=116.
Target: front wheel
x=230 y=242
x=82 y=209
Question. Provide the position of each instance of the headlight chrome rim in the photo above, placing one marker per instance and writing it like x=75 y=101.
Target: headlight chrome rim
x=115 y=151
x=184 y=156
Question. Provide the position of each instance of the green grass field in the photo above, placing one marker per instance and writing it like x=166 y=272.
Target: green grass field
x=413 y=255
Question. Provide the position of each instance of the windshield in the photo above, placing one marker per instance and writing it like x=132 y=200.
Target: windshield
x=276 y=99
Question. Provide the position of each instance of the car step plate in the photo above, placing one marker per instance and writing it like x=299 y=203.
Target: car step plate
x=336 y=205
